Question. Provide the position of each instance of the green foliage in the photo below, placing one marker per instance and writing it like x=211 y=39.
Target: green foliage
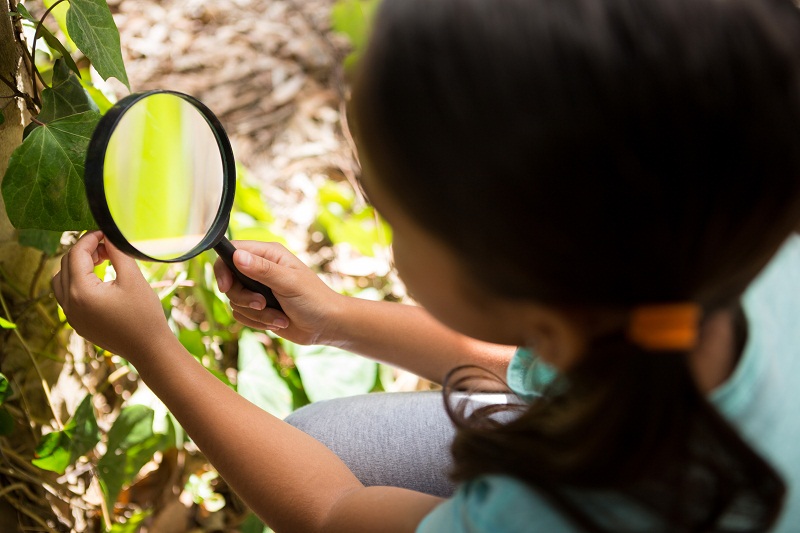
x=92 y=27
x=344 y=221
x=258 y=380
x=353 y=18
x=45 y=240
x=332 y=373
x=5 y=324
x=43 y=186
x=131 y=444
x=66 y=97
x=5 y=387
x=133 y=523
x=59 y=449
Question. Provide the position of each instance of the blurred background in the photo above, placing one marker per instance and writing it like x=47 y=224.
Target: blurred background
x=276 y=73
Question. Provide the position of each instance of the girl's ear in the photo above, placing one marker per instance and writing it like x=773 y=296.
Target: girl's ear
x=554 y=335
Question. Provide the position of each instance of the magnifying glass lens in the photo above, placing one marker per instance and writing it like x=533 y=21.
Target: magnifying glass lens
x=163 y=176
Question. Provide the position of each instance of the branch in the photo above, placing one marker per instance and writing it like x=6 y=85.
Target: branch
x=33 y=47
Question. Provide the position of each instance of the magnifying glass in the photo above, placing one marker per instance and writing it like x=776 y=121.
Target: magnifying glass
x=160 y=180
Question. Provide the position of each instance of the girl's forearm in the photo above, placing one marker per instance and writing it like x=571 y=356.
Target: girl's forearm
x=292 y=481
x=408 y=337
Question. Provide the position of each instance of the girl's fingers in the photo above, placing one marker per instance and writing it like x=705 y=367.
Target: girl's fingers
x=58 y=291
x=267 y=317
x=252 y=323
x=223 y=275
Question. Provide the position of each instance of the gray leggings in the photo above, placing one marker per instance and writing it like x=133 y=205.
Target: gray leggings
x=399 y=439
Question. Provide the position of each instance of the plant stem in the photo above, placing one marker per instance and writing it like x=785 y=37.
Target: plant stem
x=33 y=47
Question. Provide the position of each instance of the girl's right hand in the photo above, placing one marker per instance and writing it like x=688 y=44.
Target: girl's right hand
x=309 y=305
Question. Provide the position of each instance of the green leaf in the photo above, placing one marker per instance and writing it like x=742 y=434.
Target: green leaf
x=91 y=26
x=23 y=11
x=66 y=97
x=132 y=524
x=6 y=422
x=59 y=449
x=253 y=524
x=54 y=43
x=5 y=324
x=131 y=444
x=43 y=186
x=47 y=241
x=258 y=381
x=83 y=430
x=329 y=372
x=5 y=387
x=53 y=453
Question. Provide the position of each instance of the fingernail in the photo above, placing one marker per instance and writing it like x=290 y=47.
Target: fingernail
x=245 y=258
x=280 y=323
x=258 y=306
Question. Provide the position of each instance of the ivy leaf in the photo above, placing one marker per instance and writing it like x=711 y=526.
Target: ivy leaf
x=53 y=42
x=91 y=26
x=5 y=324
x=45 y=240
x=131 y=444
x=43 y=186
x=59 y=449
x=66 y=97
x=258 y=381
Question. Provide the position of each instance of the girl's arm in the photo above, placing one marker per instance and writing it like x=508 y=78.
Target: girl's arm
x=290 y=480
x=400 y=335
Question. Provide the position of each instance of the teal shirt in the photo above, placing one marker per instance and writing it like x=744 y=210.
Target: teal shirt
x=760 y=399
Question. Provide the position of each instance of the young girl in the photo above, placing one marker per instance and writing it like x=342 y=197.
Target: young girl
x=597 y=181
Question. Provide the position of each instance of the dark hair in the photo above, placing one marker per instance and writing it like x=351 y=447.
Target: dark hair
x=599 y=154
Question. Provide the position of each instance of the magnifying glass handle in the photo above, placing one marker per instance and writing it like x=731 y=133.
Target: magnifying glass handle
x=225 y=249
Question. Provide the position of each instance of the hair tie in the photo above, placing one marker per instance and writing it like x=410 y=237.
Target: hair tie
x=665 y=327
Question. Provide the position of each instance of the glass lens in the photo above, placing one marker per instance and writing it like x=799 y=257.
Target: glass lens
x=163 y=176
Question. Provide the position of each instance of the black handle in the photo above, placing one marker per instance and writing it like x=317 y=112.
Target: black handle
x=225 y=249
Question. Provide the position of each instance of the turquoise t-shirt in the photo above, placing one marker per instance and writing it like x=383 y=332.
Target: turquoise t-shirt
x=760 y=399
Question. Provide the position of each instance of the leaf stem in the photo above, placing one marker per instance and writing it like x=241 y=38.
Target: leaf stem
x=27 y=349
x=33 y=46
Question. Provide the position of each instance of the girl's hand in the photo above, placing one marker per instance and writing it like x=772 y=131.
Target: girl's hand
x=122 y=316
x=309 y=305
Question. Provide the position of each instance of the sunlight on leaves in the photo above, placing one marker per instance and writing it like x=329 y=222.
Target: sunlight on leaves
x=94 y=31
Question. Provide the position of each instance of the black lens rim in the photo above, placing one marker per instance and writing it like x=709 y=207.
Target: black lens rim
x=95 y=185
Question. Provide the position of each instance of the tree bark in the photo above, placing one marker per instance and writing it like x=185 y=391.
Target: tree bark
x=30 y=307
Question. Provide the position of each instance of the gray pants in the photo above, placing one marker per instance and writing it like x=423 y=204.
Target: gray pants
x=397 y=439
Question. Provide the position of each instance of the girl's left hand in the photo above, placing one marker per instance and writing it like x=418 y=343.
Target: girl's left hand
x=123 y=316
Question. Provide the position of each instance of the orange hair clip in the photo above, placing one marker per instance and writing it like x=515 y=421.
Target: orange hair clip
x=665 y=326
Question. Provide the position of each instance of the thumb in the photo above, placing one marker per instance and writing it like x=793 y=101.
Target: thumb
x=124 y=265
x=275 y=276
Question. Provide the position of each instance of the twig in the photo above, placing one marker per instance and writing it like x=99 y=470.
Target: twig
x=38 y=274
x=27 y=349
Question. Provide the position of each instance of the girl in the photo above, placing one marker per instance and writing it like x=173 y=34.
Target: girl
x=597 y=181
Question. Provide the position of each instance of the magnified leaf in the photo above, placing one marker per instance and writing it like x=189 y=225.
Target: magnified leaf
x=92 y=27
x=43 y=186
x=66 y=97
